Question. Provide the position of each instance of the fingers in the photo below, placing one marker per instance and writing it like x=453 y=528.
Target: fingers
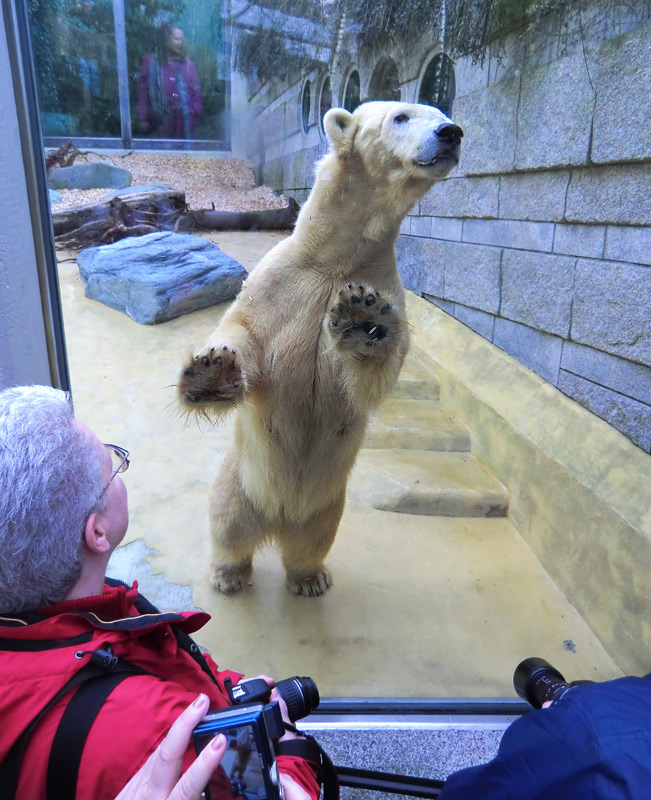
x=169 y=754
x=195 y=779
x=159 y=778
x=293 y=791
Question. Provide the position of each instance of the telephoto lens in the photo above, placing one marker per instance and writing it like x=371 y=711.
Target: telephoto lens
x=536 y=681
x=300 y=694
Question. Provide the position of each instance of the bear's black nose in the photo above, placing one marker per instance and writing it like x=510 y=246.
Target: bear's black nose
x=450 y=134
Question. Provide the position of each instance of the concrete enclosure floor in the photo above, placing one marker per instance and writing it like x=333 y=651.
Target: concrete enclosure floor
x=422 y=606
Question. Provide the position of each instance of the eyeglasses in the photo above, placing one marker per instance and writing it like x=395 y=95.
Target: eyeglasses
x=120 y=459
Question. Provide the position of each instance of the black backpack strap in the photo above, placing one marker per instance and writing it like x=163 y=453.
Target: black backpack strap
x=10 y=767
x=307 y=748
x=74 y=727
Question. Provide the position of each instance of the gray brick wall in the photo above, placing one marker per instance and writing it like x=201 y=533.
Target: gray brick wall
x=540 y=240
x=553 y=264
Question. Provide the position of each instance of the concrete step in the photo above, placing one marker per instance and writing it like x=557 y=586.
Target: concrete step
x=417 y=382
x=431 y=483
x=409 y=424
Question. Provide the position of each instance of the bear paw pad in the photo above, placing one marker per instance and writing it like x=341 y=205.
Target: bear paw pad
x=214 y=376
x=361 y=321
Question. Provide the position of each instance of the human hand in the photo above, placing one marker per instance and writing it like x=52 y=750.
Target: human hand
x=160 y=778
x=293 y=790
x=283 y=707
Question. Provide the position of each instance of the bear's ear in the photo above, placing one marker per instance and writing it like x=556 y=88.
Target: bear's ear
x=338 y=124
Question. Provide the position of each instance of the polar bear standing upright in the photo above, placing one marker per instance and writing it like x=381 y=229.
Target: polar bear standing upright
x=314 y=341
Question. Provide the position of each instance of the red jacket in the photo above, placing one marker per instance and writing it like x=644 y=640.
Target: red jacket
x=138 y=712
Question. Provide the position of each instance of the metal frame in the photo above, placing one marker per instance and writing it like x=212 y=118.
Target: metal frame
x=22 y=74
x=392 y=708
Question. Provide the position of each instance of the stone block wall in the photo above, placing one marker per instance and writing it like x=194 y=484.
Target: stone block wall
x=540 y=240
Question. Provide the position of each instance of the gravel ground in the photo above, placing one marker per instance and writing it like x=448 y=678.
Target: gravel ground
x=228 y=183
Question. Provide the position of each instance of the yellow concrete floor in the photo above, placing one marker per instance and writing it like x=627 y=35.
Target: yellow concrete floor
x=421 y=606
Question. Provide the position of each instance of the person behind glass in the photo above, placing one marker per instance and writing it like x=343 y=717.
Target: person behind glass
x=63 y=511
x=169 y=94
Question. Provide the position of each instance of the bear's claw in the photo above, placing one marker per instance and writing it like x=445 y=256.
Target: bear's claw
x=214 y=376
x=314 y=584
x=230 y=578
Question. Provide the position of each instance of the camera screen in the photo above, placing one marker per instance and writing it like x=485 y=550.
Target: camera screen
x=239 y=776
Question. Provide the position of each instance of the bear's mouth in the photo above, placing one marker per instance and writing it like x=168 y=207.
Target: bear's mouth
x=440 y=160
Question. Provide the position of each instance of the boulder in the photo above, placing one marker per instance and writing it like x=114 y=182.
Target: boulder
x=160 y=276
x=96 y=175
x=142 y=188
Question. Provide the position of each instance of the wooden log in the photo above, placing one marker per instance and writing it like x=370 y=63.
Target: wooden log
x=276 y=219
x=146 y=212
x=160 y=202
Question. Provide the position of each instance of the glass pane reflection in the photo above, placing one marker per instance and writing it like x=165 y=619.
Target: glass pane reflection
x=177 y=71
x=75 y=59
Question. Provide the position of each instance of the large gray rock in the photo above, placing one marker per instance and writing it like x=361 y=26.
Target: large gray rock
x=97 y=175
x=160 y=276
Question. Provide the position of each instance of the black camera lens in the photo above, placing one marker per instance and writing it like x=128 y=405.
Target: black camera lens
x=536 y=681
x=300 y=694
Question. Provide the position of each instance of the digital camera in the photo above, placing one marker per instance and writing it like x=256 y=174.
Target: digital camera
x=248 y=770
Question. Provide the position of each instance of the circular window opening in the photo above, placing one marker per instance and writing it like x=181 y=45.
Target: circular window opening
x=352 y=92
x=438 y=86
x=325 y=101
x=385 y=83
x=306 y=101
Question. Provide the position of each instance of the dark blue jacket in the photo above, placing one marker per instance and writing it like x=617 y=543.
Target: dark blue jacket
x=592 y=744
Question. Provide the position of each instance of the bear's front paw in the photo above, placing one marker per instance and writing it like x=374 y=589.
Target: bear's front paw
x=214 y=376
x=362 y=323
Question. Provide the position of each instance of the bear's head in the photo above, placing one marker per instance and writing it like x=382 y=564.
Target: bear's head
x=396 y=140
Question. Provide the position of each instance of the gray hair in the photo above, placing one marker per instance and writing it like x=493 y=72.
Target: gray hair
x=50 y=481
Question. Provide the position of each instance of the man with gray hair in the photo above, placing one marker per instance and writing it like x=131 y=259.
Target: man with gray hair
x=66 y=630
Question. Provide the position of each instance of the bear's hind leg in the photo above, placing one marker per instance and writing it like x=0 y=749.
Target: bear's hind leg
x=236 y=528
x=304 y=546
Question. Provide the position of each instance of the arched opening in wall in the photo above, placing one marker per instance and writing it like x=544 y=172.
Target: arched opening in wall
x=306 y=102
x=438 y=85
x=352 y=92
x=325 y=102
x=385 y=83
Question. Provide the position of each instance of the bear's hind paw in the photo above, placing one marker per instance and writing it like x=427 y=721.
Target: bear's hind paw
x=311 y=583
x=230 y=578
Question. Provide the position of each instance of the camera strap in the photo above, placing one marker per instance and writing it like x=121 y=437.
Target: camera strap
x=307 y=748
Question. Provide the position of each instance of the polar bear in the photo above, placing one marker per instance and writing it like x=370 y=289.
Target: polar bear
x=313 y=342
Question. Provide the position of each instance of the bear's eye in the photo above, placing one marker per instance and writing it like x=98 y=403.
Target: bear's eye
x=401 y=118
